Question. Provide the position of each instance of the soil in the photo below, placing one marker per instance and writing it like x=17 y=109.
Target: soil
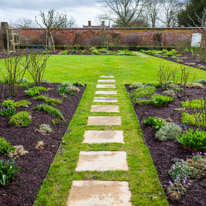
x=34 y=165
x=163 y=152
x=187 y=59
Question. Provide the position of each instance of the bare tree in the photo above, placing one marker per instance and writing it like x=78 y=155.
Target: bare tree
x=170 y=9
x=126 y=11
x=52 y=21
x=70 y=23
x=105 y=17
x=152 y=12
x=24 y=23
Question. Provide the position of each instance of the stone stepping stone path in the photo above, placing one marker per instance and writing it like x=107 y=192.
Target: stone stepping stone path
x=105 y=99
x=104 y=108
x=99 y=193
x=106 y=86
x=102 y=161
x=102 y=193
x=95 y=136
x=106 y=92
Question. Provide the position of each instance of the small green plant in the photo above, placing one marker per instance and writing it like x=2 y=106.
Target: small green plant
x=8 y=171
x=42 y=89
x=45 y=129
x=155 y=84
x=143 y=102
x=32 y=92
x=5 y=146
x=50 y=110
x=168 y=131
x=8 y=104
x=49 y=100
x=159 y=100
x=21 y=119
x=136 y=85
x=22 y=103
x=196 y=119
x=193 y=139
x=142 y=92
x=57 y=121
x=155 y=122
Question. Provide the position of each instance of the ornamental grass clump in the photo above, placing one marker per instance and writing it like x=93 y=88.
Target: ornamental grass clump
x=21 y=119
x=168 y=131
x=5 y=146
x=50 y=110
x=67 y=88
x=136 y=85
x=8 y=171
x=22 y=103
x=193 y=139
x=49 y=100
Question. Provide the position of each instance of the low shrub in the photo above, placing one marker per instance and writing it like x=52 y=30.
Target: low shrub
x=194 y=85
x=201 y=81
x=193 y=139
x=8 y=108
x=136 y=85
x=168 y=131
x=50 y=110
x=155 y=122
x=169 y=93
x=159 y=100
x=21 y=119
x=194 y=104
x=80 y=84
x=8 y=171
x=5 y=146
x=22 y=103
x=142 y=92
x=68 y=88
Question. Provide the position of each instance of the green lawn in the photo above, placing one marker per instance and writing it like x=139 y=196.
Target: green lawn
x=142 y=176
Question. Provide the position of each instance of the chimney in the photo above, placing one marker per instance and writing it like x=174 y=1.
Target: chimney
x=103 y=23
x=89 y=23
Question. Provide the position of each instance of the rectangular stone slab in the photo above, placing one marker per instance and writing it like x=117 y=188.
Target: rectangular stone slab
x=97 y=136
x=106 y=92
x=102 y=161
x=104 y=108
x=99 y=193
x=104 y=120
x=106 y=81
x=105 y=99
x=107 y=77
x=105 y=86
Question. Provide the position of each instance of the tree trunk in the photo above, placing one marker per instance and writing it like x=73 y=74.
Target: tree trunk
x=50 y=41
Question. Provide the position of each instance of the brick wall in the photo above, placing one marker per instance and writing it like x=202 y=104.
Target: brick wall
x=85 y=36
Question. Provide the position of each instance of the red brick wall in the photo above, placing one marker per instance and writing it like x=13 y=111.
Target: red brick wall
x=67 y=36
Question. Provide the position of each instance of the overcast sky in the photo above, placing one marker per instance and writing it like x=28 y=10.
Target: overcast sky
x=81 y=10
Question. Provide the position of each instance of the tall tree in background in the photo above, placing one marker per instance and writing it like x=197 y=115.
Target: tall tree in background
x=187 y=16
x=24 y=23
x=170 y=10
x=127 y=12
x=152 y=11
x=52 y=21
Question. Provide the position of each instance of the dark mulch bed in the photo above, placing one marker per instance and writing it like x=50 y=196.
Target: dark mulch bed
x=187 y=59
x=34 y=165
x=163 y=152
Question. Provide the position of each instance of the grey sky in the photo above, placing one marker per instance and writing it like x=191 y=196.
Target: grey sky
x=80 y=10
